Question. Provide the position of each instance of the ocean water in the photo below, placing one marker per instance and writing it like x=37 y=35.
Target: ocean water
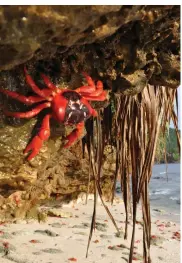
x=164 y=190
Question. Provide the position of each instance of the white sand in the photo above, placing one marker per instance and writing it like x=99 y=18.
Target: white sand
x=72 y=238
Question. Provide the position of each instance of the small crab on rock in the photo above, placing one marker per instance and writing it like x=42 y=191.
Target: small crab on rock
x=70 y=107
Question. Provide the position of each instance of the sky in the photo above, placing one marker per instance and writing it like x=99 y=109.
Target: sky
x=179 y=110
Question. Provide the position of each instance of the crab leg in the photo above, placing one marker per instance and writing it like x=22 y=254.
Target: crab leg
x=94 y=113
x=95 y=93
x=91 y=110
x=74 y=135
x=91 y=89
x=38 y=140
x=87 y=89
x=100 y=97
x=46 y=93
x=89 y=79
x=28 y=114
x=48 y=83
x=26 y=100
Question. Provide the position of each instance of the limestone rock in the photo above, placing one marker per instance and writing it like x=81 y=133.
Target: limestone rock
x=126 y=47
x=60 y=213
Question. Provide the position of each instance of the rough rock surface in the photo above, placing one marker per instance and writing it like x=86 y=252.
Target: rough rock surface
x=124 y=46
x=114 y=41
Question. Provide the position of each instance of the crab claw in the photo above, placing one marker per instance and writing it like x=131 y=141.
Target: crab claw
x=34 y=146
x=74 y=135
x=38 y=140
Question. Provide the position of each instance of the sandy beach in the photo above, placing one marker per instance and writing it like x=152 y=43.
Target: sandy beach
x=64 y=239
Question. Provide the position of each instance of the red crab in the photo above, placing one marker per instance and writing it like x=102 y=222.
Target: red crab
x=70 y=107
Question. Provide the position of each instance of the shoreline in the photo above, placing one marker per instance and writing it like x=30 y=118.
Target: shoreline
x=163 y=214
x=64 y=239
